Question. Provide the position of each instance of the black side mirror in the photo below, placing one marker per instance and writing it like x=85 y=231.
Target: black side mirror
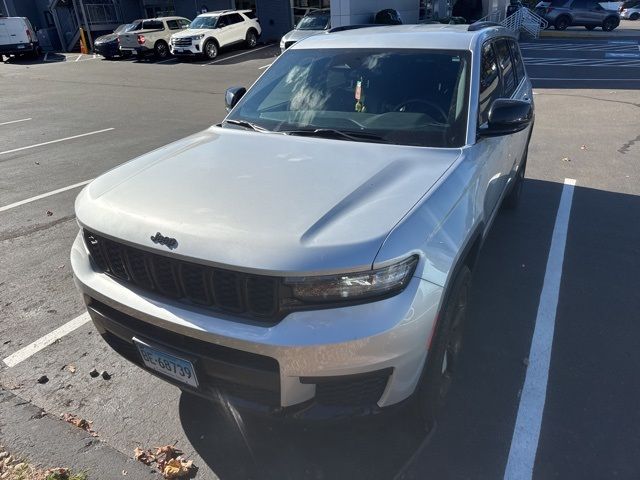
x=232 y=96
x=506 y=117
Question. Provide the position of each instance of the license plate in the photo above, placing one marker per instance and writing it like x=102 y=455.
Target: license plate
x=177 y=50
x=20 y=46
x=167 y=364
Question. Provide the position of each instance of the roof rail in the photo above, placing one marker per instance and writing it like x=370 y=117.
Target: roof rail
x=474 y=27
x=353 y=27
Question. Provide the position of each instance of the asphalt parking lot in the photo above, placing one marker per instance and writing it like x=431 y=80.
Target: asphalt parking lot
x=64 y=122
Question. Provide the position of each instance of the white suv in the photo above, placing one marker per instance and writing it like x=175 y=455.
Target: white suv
x=211 y=31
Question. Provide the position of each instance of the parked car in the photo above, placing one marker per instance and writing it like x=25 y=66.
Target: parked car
x=312 y=255
x=388 y=16
x=315 y=22
x=629 y=4
x=586 y=13
x=108 y=45
x=153 y=38
x=630 y=13
x=210 y=32
x=18 y=37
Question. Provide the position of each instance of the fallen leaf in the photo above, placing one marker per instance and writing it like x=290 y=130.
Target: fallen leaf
x=79 y=422
x=144 y=456
x=105 y=375
x=566 y=159
x=43 y=379
x=94 y=373
x=584 y=147
x=124 y=473
x=177 y=467
x=49 y=213
x=71 y=368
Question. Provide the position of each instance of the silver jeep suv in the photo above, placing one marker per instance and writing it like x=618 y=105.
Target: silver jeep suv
x=312 y=254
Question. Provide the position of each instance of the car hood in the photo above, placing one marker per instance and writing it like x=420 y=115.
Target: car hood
x=261 y=202
x=297 y=35
x=106 y=38
x=190 y=32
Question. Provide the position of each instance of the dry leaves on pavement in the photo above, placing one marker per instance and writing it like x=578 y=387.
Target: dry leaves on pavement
x=79 y=422
x=168 y=461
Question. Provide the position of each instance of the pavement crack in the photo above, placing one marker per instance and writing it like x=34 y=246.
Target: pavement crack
x=625 y=148
x=24 y=231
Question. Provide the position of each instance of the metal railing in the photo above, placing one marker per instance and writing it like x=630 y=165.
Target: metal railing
x=522 y=20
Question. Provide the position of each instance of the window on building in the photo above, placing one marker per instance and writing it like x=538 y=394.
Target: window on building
x=506 y=68
x=489 y=82
x=246 y=5
x=302 y=7
x=48 y=18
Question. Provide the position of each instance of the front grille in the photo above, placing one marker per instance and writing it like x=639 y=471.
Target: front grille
x=253 y=296
x=181 y=42
x=350 y=390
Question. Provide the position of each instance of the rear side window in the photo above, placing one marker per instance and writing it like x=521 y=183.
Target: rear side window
x=250 y=15
x=152 y=25
x=506 y=68
x=234 y=18
x=489 y=82
x=517 y=61
x=173 y=25
x=184 y=23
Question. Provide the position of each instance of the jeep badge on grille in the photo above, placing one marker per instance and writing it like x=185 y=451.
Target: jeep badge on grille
x=166 y=241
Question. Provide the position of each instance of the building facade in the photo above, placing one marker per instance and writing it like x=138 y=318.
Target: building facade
x=58 y=21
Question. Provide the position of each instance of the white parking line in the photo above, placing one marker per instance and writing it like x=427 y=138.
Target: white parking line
x=79 y=57
x=263 y=67
x=524 y=443
x=237 y=55
x=168 y=60
x=43 y=195
x=43 y=342
x=56 y=141
x=16 y=121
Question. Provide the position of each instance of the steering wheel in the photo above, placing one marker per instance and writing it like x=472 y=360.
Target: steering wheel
x=428 y=103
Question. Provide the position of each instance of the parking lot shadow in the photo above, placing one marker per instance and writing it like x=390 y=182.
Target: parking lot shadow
x=242 y=447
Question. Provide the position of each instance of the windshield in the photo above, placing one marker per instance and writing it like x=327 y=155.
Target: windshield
x=204 y=22
x=403 y=96
x=314 y=22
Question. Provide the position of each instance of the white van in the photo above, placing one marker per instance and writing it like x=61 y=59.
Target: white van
x=17 y=37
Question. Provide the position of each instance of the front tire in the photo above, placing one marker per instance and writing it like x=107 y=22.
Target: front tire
x=251 y=39
x=210 y=49
x=161 y=50
x=562 y=23
x=634 y=16
x=444 y=351
x=609 y=24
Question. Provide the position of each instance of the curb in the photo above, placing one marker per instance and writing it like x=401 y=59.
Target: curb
x=28 y=433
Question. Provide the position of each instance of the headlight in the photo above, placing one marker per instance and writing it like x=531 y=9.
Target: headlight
x=281 y=43
x=353 y=286
x=198 y=37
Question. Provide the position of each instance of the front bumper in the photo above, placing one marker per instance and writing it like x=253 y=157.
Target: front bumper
x=349 y=360
x=109 y=49
x=187 y=50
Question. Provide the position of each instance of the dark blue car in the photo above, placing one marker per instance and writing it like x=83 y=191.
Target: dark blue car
x=108 y=46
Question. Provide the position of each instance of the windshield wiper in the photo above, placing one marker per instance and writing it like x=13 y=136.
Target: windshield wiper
x=340 y=134
x=245 y=124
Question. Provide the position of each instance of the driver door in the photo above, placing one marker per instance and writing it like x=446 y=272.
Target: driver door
x=223 y=31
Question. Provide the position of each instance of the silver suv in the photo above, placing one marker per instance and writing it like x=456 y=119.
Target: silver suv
x=313 y=253
x=582 y=13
